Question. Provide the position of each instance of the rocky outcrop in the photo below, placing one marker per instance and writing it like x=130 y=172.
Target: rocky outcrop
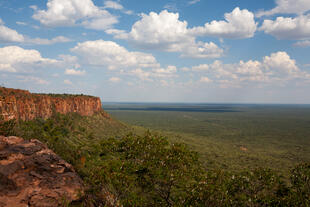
x=20 y=104
x=33 y=175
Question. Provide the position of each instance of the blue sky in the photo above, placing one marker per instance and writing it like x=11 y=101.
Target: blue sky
x=159 y=51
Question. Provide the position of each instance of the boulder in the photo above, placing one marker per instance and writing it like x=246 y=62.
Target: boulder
x=33 y=175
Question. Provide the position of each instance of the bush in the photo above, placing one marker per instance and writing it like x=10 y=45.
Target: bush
x=147 y=170
x=260 y=187
x=7 y=127
x=300 y=190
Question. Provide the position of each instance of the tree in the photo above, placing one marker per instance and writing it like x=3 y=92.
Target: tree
x=147 y=170
x=7 y=127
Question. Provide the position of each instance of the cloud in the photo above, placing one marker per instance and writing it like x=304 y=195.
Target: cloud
x=114 y=79
x=119 y=34
x=202 y=50
x=75 y=12
x=5 y=67
x=71 y=64
x=205 y=80
x=159 y=30
x=34 y=7
x=168 y=72
x=202 y=67
x=287 y=7
x=109 y=54
x=305 y=43
x=68 y=82
x=280 y=62
x=14 y=59
x=42 y=41
x=113 y=5
x=9 y=35
x=165 y=32
x=238 y=24
x=193 y=2
x=250 y=68
x=279 y=67
x=171 y=7
x=21 y=23
x=33 y=79
x=297 y=28
x=117 y=6
x=75 y=72
x=141 y=74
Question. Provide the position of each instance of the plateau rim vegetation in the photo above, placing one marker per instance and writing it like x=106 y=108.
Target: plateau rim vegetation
x=123 y=166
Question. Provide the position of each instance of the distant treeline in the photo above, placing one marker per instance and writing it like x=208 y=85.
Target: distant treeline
x=18 y=92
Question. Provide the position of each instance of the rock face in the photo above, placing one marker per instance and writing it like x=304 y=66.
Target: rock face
x=20 y=104
x=33 y=175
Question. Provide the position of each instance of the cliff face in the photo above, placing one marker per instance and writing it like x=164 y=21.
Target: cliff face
x=20 y=104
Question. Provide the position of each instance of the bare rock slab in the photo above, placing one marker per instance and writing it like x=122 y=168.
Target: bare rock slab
x=33 y=175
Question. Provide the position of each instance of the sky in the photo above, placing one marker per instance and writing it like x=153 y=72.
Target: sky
x=208 y=51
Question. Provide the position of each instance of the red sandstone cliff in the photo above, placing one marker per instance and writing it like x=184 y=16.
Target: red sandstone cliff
x=21 y=104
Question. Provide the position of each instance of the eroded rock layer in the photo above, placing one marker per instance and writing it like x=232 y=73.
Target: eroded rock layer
x=32 y=175
x=20 y=104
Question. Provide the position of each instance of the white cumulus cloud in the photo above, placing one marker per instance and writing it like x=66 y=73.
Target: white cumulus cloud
x=168 y=72
x=238 y=24
x=75 y=72
x=164 y=31
x=287 y=7
x=9 y=35
x=288 y=28
x=280 y=62
x=278 y=67
x=202 y=50
x=109 y=54
x=75 y=12
x=159 y=30
x=202 y=67
x=14 y=58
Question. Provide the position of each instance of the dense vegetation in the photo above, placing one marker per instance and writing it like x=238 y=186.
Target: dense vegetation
x=64 y=95
x=227 y=136
x=122 y=167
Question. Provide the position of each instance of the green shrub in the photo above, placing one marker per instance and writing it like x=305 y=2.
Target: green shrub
x=300 y=190
x=146 y=170
x=7 y=127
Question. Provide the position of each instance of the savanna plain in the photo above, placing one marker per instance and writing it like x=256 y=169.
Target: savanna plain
x=228 y=136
